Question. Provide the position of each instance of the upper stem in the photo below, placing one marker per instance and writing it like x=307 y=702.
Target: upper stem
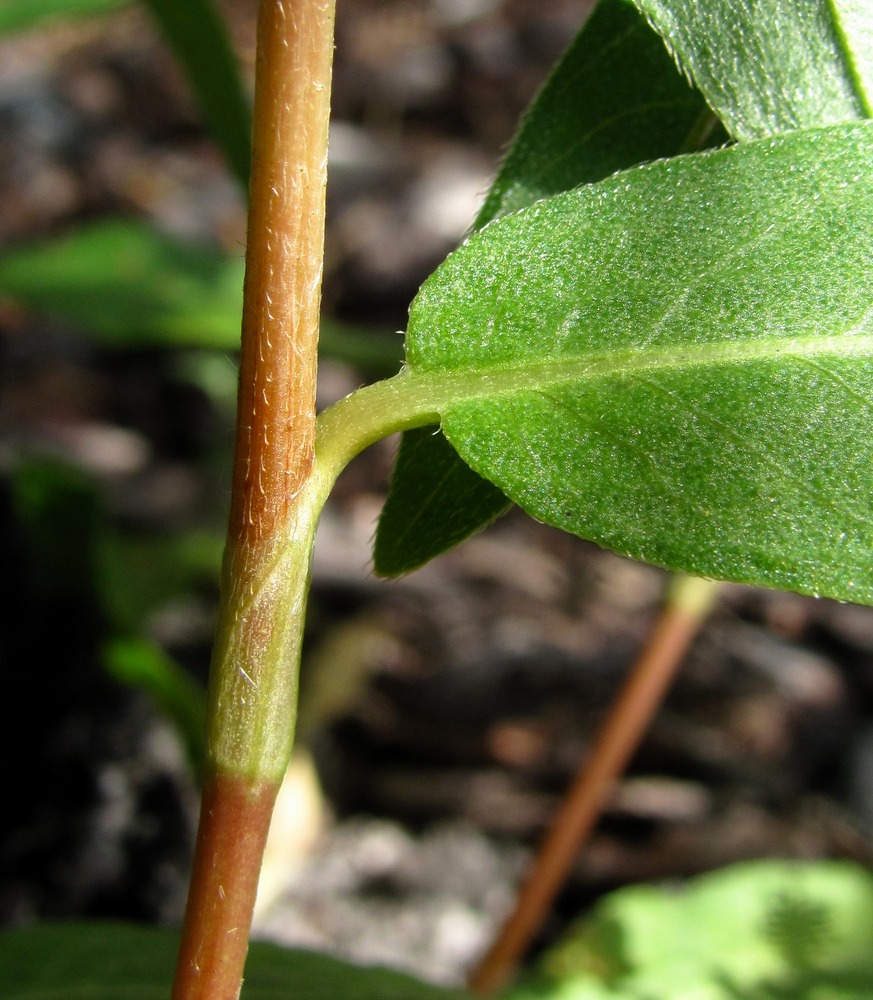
x=284 y=263
x=253 y=686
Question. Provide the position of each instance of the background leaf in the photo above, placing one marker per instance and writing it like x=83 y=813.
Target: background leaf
x=722 y=936
x=19 y=15
x=614 y=100
x=128 y=285
x=436 y=501
x=197 y=34
x=769 y=67
x=636 y=108
x=143 y=664
x=701 y=401
x=122 y=962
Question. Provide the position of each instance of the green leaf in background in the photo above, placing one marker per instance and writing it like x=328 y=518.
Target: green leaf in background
x=128 y=285
x=197 y=35
x=636 y=107
x=702 y=399
x=144 y=665
x=769 y=67
x=142 y=572
x=19 y=15
x=614 y=100
x=121 y=962
x=430 y=482
x=74 y=547
x=764 y=930
x=61 y=516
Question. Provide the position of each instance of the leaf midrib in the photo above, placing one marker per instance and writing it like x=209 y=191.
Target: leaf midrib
x=530 y=374
x=416 y=398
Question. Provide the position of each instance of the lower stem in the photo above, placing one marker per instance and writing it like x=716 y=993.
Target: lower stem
x=251 y=712
x=234 y=821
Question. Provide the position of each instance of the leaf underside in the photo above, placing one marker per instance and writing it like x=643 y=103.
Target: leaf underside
x=702 y=399
x=770 y=67
x=636 y=107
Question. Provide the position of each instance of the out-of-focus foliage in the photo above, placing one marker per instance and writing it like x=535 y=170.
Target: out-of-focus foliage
x=197 y=34
x=764 y=930
x=19 y=15
x=75 y=548
x=127 y=285
x=120 y=962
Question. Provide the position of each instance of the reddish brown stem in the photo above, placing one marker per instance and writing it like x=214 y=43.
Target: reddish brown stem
x=234 y=820
x=284 y=262
x=253 y=682
x=619 y=737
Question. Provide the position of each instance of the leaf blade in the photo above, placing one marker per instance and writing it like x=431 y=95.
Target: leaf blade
x=854 y=24
x=114 y=961
x=197 y=35
x=561 y=143
x=22 y=15
x=764 y=68
x=702 y=358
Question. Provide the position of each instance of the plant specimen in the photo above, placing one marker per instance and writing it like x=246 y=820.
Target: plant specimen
x=659 y=336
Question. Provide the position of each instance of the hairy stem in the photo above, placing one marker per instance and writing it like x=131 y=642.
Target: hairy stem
x=253 y=682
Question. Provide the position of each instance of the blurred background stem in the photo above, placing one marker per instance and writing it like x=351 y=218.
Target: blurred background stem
x=687 y=603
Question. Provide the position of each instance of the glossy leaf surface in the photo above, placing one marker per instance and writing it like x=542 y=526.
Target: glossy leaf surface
x=123 y=962
x=701 y=400
x=613 y=101
x=769 y=67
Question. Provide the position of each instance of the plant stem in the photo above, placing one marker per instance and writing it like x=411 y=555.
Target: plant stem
x=253 y=681
x=234 y=820
x=687 y=603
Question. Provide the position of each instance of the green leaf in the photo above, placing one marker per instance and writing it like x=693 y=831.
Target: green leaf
x=614 y=100
x=702 y=399
x=105 y=961
x=430 y=481
x=769 y=67
x=636 y=108
x=19 y=15
x=854 y=21
x=764 y=929
x=196 y=33
x=144 y=665
x=63 y=522
x=130 y=286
